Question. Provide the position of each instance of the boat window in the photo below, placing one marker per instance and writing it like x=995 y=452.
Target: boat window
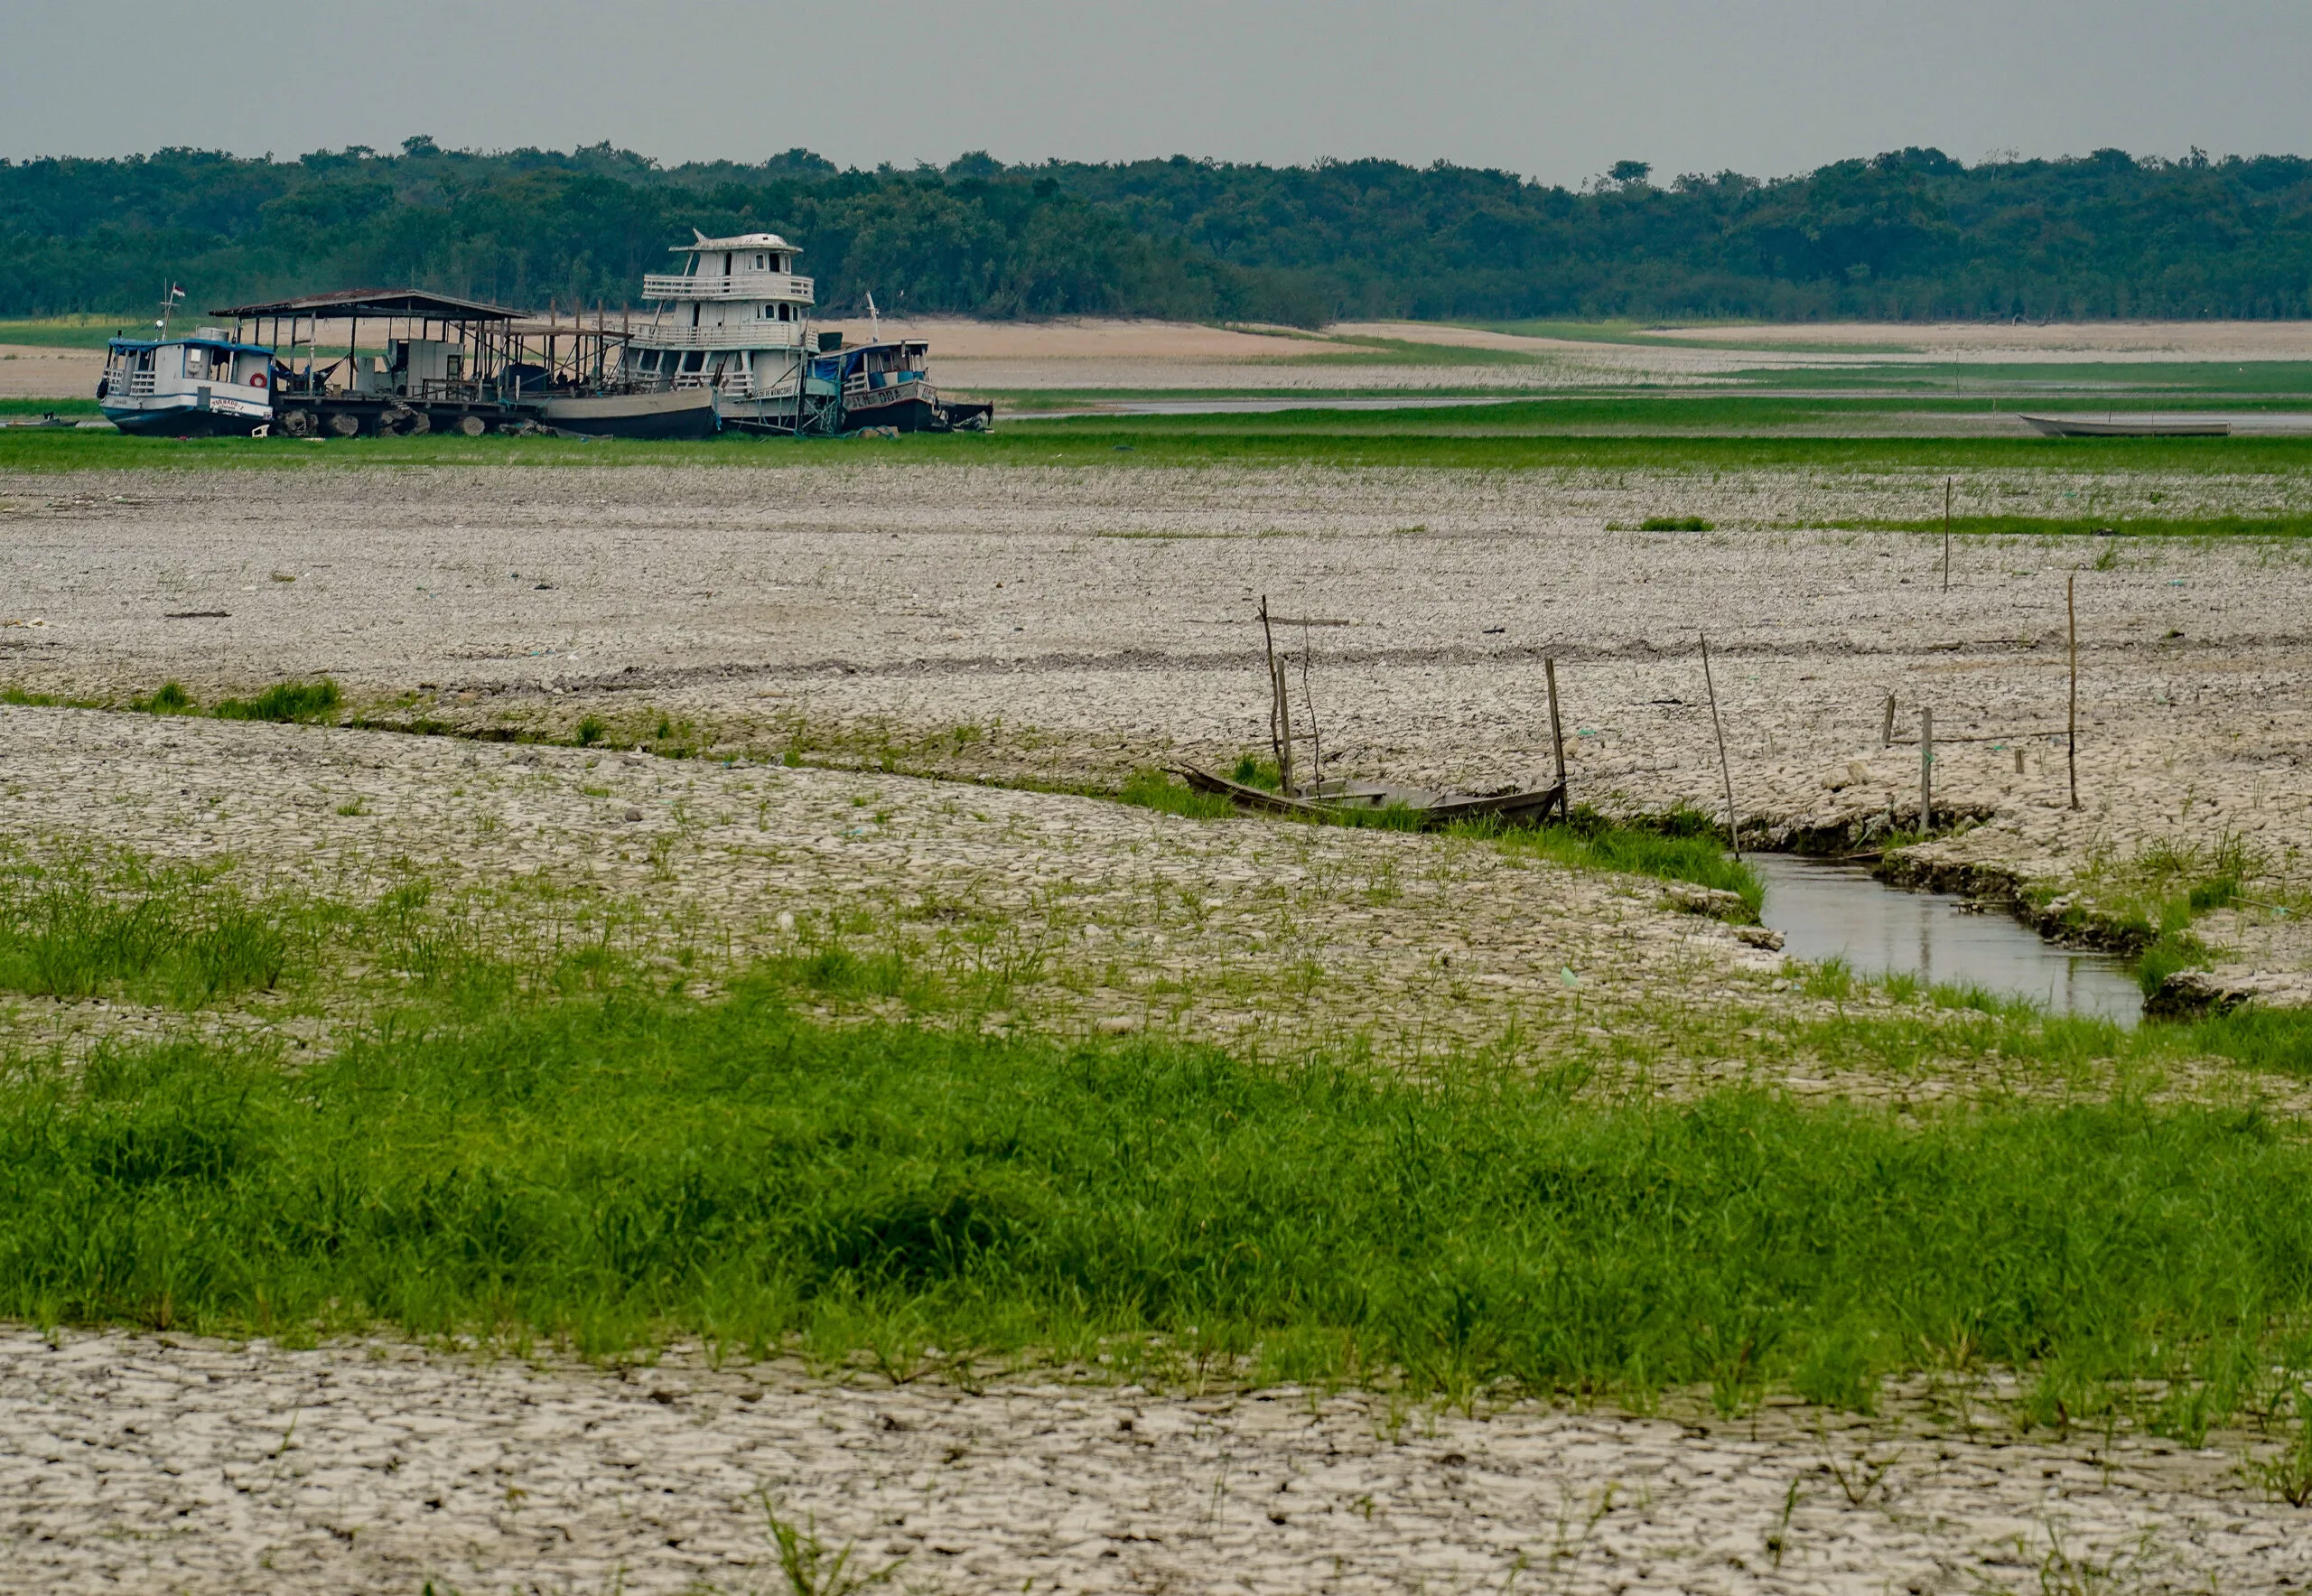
x=758 y=260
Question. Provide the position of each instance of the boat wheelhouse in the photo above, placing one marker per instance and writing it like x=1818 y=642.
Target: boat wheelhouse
x=737 y=320
x=182 y=388
x=733 y=321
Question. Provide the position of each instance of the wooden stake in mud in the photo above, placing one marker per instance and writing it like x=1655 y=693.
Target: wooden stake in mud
x=1926 y=770
x=2071 y=613
x=1946 y=534
x=1887 y=724
x=1733 y=835
x=1557 y=732
x=1279 y=707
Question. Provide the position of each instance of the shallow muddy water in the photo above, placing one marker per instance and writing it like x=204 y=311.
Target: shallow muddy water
x=1826 y=910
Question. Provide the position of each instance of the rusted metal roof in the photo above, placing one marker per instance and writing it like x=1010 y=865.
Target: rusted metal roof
x=377 y=301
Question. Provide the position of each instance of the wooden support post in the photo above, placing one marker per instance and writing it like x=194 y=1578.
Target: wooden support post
x=1280 y=727
x=2071 y=615
x=1557 y=731
x=1282 y=681
x=1926 y=770
x=1733 y=832
x=1887 y=724
x=1946 y=534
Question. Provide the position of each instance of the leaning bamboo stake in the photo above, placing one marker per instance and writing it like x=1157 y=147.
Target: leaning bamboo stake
x=1276 y=701
x=1733 y=834
x=2071 y=613
x=1557 y=732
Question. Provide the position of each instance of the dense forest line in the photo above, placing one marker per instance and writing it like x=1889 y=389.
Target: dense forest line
x=1907 y=235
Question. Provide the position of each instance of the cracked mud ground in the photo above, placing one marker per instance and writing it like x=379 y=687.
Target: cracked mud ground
x=1067 y=627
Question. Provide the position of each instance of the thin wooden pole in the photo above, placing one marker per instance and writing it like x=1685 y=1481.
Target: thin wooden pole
x=1733 y=834
x=1279 y=728
x=2071 y=613
x=1887 y=724
x=1946 y=534
x=1926 y=770
x=1309 y=702
x=1557 y=732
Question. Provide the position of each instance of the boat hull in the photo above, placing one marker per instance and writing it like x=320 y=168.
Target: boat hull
x=680 y=413
x=2080 y=426
x=189 y=419
x=1528 y=807
x=915 y=413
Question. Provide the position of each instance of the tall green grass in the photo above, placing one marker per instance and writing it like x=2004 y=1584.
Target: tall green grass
x=284 y=700
x=1649 y=433
x=616 y=1169
x=73 y=931
x=1684 y=845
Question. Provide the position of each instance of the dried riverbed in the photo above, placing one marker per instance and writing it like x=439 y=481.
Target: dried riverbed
x=1069 y=625
x=145 y=1462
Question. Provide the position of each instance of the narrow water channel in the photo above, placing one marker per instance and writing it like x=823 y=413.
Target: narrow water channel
x=1825 y=911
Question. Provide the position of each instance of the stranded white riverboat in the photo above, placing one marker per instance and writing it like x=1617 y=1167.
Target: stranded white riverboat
x=736 y=322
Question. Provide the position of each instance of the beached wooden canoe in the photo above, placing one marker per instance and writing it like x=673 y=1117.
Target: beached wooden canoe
x=1334 y=800
x=2142 y=426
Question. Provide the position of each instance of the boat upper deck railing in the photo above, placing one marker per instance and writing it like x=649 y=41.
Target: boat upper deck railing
x=771 y=287
x=728 y=335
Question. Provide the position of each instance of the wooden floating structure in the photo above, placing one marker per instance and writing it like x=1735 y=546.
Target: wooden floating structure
x=1320 y=798
x=2149 y=426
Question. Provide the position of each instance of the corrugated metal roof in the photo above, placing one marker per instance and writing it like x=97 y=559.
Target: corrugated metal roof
x=377 y=301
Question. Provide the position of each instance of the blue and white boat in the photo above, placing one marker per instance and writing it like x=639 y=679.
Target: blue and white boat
x=183 y=388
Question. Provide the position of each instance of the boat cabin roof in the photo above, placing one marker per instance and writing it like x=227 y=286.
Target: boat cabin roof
x=409 y=303
x=738 y=241
x=133 y=345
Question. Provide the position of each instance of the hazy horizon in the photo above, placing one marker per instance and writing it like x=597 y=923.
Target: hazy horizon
x=1557 y=93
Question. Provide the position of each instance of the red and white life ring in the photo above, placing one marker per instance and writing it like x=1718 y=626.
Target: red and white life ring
x=257 y=379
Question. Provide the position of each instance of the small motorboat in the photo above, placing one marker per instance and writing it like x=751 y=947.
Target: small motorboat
x=2112 y=426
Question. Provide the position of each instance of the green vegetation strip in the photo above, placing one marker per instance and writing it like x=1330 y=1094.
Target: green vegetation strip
x=612 y=1170
x=2273 y=525
x=1477 y=437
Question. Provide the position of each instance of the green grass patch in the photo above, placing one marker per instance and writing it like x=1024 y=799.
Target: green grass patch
x=1684 y=845
x=616 y=1169
x=1168 y=794
x=168 y=935
x=284 y=700
x=2130 y=526
x=76 y=332
x=168 y=698
x=68 y=409
x=1634 y=432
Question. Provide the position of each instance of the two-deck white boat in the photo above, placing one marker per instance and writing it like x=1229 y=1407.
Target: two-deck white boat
x=736 y=321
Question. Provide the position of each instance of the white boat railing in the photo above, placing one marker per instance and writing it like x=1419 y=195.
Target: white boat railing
x=729 y=335
x=765 y=285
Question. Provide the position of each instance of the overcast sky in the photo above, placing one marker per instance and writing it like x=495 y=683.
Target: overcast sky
x=1557 y=92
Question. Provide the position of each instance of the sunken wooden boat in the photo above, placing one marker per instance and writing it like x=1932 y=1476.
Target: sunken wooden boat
x=2142 y=426
x=1337 y=801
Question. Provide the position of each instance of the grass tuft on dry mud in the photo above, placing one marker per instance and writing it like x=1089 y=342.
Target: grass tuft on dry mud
x=617 y=1166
